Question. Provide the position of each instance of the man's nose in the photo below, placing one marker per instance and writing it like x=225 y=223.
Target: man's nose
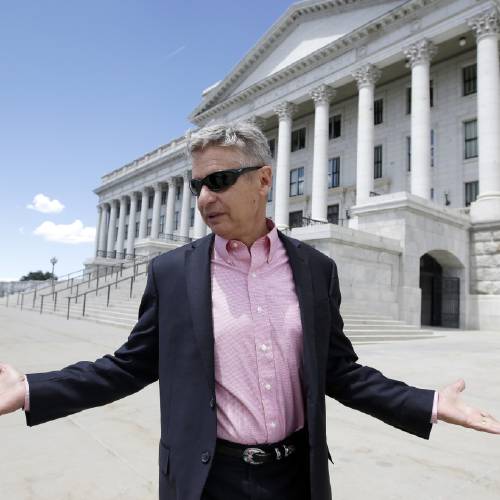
x=206 y=196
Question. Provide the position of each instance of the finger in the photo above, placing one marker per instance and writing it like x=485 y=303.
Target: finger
x=459 y=385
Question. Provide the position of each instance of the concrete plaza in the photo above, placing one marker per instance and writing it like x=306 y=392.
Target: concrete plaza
x=111 y=452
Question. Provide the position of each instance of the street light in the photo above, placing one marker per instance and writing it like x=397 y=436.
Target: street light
x=53 y=261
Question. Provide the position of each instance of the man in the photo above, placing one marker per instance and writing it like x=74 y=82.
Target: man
x=243 y=330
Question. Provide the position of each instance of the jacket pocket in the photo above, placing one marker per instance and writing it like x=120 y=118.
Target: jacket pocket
x=164 y=458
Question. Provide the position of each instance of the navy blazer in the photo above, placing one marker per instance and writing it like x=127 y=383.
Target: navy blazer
x=173 y=341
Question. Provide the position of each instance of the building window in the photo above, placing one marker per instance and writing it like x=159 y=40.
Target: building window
x=332 y=214
x=432 y=193
x=136 y=230
x=116 y=233
x=334 y=172
x=176 y=220
x=297 y=181
x=471 y=192
x=272 y=147
x=139 y=204
x=378 y=111
x=126 y=231
x=408 y=97
x=470 y=135
x=151 y=198
x=334 y=126
x=148 y=227
x=408 y=153
x=191 y=217
x=177 y=192
x=162 y=224
x=469 y=79
x=299 y=139
x=163 y=197
x=433 y=148
x=270 y=194
x=128 y=209
x=377 y=162
x=295 y=219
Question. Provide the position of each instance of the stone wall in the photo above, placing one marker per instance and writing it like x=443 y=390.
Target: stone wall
x=485 y=259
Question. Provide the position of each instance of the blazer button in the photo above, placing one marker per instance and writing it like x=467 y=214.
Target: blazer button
x=205 y=457
x=212 y=403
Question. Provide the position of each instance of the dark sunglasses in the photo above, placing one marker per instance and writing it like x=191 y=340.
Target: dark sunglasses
x=219 y=181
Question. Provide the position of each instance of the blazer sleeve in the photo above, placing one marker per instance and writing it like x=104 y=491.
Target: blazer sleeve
x=88 y=384
x=368 y=390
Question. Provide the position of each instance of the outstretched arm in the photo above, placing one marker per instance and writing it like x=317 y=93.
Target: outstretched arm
x=454 y=410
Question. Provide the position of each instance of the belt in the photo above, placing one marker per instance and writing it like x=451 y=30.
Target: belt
x=261 y=454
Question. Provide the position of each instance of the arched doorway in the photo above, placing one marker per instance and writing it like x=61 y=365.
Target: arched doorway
x=440 y=290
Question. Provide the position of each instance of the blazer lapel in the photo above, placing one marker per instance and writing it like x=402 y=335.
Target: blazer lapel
x=303 y=285
x=199 y=291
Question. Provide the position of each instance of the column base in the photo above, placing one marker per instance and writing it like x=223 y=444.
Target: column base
x=486 y=208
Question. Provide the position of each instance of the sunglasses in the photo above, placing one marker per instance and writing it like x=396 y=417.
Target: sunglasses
x=219 y=181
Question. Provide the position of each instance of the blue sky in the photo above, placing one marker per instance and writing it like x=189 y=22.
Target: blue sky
x=89 y=86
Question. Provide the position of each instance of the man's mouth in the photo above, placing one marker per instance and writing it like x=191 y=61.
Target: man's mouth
x=214 y=216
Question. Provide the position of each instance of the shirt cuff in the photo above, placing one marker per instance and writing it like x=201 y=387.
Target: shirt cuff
x=26 y=407
x=434 y=417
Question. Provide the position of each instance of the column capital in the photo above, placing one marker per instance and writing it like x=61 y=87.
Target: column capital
x=322 y=94
x=134 y=195
x=485 y=24
x=186 y=176
x=366 y=75
x=422 y=51
x=285 y=110
x=172 y=182
x=158 y=186
x=145 y=190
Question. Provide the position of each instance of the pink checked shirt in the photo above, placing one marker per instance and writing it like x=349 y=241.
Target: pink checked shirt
x=258 y=341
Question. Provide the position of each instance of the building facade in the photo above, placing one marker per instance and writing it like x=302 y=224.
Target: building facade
x=383 y=118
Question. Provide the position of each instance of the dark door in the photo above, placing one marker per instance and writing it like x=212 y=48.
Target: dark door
x=450 y=309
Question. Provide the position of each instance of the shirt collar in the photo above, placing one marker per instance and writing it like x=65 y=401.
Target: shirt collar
x=225 y=250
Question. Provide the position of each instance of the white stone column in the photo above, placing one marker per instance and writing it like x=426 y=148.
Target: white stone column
x=487 y=206
x=131 y=223
x=366 y=77
x=186 y=207
x=169 y=216
x=321 y=97
x=155 y=223
x=103 y=229
x=200 y=228
x=285 y=112
x=121 y=225
x=112 y=227
x=419 y=56
x=143 y=222
x=98 y=229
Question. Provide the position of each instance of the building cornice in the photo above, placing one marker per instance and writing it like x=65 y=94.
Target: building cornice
x=217 y=102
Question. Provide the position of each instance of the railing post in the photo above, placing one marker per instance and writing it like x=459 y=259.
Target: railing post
x=90 y=277
x=109 y=291
x=18 y=297
x=72 y=280
x=84 y=303
x=41 y=304
x=121 y=269
x=7 y=301
x=116 y=280
x=34 y=299
x=131 y=285
x=22 y=301
x=76 y=296
x=69 y=302
x=55 y=303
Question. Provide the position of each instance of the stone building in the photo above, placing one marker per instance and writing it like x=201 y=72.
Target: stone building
x=384 y=122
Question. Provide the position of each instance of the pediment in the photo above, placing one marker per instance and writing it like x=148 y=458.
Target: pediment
x=306 y=27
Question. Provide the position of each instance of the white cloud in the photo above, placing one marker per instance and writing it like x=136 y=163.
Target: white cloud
x=44 y=204
x=71 y=234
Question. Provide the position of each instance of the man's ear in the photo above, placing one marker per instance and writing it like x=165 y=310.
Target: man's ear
x=266 y=177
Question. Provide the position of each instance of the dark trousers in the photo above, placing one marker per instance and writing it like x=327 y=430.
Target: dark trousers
x=230 y=478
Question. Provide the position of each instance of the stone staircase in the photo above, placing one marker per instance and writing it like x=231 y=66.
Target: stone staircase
x=122 y=310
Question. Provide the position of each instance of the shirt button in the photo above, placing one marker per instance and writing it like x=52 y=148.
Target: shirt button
x=268 y=387
x=235 y=245
x=212 y=403
x=263 y=347
x=205 y=457
x=259 y=309
x=273 y=424
x=254 y=275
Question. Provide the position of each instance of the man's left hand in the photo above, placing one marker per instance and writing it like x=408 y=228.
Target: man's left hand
x=452 y=409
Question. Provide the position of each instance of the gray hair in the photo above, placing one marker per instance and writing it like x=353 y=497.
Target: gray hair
x=242 y=136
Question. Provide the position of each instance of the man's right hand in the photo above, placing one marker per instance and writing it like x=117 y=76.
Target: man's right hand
x=12 y=389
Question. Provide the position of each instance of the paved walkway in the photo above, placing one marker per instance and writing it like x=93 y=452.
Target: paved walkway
x=111 y=453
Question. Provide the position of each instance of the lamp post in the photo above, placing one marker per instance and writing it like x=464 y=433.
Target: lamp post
x=53 y=261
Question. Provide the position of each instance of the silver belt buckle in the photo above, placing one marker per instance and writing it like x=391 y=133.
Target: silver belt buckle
x=250 y=453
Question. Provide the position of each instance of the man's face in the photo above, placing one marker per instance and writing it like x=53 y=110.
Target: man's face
x=239 y=211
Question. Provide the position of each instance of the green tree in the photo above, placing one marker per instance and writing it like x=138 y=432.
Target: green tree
x=37 y=275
